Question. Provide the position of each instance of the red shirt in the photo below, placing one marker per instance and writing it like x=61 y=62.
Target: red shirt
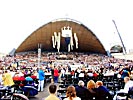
x=56 y=72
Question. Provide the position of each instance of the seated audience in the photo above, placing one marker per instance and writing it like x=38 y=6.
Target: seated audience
x=128 y=85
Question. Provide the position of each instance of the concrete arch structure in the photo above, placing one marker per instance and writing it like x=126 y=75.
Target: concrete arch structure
x=87 y=40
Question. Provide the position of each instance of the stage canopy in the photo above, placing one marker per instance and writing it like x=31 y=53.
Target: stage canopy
x=62 y=35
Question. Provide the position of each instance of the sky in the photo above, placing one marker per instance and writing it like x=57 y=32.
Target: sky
x=20 y=18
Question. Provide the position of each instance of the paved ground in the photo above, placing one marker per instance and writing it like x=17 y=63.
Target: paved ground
x=41 y=95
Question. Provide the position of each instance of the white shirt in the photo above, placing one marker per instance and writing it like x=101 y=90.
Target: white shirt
x=81 y=75
x=126 y=88
x=90 y=74
x=128 y=85
x=63 y=72
x=0 y=78
x=76 y=98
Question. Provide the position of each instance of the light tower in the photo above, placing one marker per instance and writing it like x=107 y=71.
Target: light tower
x=39 y=55
x=120 y=37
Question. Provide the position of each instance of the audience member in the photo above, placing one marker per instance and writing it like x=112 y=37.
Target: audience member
x=62 y=73
x=71 y=94
x=92 y=91
x=102 y=92
x=41 y=77
x=81 y=91
x=52 y=91
x=128 y=84
x=7 y=79
x=131 y=75
x=130 y=93
x=0 y=77
x=56 y=75
x=125 y=73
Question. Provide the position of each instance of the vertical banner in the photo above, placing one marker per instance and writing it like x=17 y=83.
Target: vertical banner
x=66 y=32
x=67 y=40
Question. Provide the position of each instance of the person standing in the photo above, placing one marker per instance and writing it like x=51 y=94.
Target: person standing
x=7 y=79
x=56 y=75
x=41 y=78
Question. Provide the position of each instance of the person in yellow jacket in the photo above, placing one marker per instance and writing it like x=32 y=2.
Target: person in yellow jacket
x=7 y=79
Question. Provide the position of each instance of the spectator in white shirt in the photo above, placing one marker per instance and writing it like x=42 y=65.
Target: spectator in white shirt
x=62 y=72
x=0 y=77
x=128 y=84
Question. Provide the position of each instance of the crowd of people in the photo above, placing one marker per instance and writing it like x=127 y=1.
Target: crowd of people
x=90 y=68
x=93 y=91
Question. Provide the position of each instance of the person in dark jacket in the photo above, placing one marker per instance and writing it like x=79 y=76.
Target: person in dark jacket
x=92 y=91
x=103 y=92
x=81 y=90
x=125 y=73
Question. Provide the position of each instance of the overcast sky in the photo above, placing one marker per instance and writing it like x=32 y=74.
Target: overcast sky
x=19 y=18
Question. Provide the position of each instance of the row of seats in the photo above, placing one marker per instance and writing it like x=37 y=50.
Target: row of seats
x=113 y=84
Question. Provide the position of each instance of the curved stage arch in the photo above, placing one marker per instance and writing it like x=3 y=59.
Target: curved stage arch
x=87 y=40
